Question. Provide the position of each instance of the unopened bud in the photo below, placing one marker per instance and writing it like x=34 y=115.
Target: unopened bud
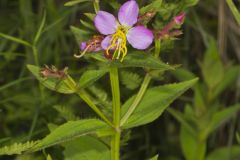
x=179 y=19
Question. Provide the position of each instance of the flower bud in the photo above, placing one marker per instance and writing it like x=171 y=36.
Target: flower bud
x=179 y=19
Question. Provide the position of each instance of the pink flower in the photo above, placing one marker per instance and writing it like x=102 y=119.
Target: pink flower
x=119 y=32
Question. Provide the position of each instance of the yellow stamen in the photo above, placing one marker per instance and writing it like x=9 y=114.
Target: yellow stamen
x=118 y=43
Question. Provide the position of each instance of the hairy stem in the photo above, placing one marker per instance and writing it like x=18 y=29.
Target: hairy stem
x=115 y=141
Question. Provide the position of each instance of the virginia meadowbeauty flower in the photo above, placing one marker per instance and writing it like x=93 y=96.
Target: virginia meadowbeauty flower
x=118 y=32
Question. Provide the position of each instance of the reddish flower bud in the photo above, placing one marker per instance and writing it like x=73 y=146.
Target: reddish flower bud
x=179 y=19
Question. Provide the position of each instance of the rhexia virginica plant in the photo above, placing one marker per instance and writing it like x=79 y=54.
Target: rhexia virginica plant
x=148 y=104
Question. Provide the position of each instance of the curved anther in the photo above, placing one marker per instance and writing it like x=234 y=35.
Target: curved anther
x=83 y=53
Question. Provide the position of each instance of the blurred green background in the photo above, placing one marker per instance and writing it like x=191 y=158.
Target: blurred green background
x=209 y=48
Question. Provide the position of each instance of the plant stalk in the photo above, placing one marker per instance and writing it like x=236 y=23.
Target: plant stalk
x=115 y=140
x=234 y=10
x=143 y=88
x=137 y=99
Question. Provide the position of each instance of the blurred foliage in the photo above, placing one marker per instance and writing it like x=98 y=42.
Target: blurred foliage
x=209 y=49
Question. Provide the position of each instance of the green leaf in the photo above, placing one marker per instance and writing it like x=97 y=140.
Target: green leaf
x=70 y=131
x=154 y=158
x=238 y=137
x=225 y=153
x=87 y=25
x=13 y=83
x=182 y=119
x=230 y=76
x=115 y=5
x=153 y=7
x=212 y=67
x=66 y=112
x=189 y=3
x=86 y=148
x=221 y=117
x=154 y=102
x=130 y=79
x=49 y=157
x=79 y=34
x=51 y=83
x=91 y=16
x=74 y=2
x=17 y=148
x=183 y=74
x=234 y=10
x=136 y=59
x=192 y=148
x=11 y=38
x=89 y=77
x=40 y=29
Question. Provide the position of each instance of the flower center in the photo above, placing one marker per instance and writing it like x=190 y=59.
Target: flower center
x=118 y=43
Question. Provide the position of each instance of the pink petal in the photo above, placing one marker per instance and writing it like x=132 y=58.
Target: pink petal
x=83 y=45
x=106 y=42
x=128 y=13
x=105 y=23
x=140 y=37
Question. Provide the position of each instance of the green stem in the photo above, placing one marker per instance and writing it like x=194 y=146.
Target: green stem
x=86 y=98
x=115 y=141
x=35 y=55
x=234 y=10
x=115 y=146
x=157 y=48
x=137 y=100
x=143 y=88
x=37 y=107
x=200 y=150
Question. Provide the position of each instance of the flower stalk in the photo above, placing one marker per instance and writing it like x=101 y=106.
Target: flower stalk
x=143 y=87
